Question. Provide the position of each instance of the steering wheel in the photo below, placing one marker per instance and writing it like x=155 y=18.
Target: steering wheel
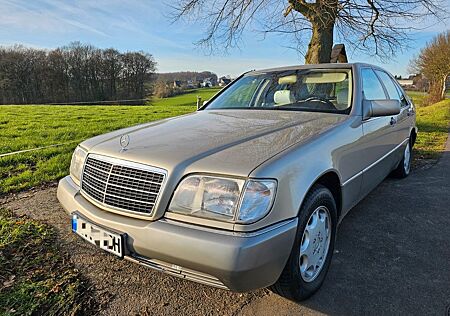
x=320 y=103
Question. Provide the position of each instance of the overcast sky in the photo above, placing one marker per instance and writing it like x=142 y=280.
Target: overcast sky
x=144 y=25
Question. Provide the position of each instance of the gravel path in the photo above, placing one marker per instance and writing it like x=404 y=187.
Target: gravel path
x=392 y=256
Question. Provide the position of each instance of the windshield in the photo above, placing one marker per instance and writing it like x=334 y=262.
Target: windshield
x=315 y=90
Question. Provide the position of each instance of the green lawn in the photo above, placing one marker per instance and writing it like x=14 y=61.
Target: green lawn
x=36 y=278
x=433 y=123
x=27 y=126
x=30 y=126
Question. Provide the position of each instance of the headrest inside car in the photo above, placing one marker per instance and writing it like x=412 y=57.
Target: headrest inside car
x=342 y=100
x=282 y=97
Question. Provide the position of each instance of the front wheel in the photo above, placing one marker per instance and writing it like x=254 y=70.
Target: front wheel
x=313 y=248
x=404 y=167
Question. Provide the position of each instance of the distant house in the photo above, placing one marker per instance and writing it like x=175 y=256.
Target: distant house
x=208 y=83
x=406 y=83
x=190 y=84
x=414 y=82
x=177 y=84
x=224 y=81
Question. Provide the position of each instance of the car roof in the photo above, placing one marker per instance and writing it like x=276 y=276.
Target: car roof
x=315 y=66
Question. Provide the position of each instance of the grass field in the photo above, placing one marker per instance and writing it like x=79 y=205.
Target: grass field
x=25 y=127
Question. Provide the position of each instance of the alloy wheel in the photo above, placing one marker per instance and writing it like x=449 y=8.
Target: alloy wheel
x=407 y=159
x=315 y=244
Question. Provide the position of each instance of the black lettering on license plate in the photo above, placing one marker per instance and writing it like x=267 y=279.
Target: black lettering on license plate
x=115 y=244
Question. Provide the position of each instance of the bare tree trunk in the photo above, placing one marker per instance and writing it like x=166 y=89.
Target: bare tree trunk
x=321 y=44
x=436 y=91
x=443 y=86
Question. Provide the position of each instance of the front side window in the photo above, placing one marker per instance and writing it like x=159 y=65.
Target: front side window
x=303 y=90
x=373 y=90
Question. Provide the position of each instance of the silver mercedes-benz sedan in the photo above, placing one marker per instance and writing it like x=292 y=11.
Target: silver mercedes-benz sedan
x=247 y=192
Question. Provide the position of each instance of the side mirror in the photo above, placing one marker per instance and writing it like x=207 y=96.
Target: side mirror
x=376 y=108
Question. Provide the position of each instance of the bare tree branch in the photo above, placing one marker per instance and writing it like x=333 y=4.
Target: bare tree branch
x=376 y=27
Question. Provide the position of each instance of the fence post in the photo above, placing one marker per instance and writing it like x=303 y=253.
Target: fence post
x=199 y=102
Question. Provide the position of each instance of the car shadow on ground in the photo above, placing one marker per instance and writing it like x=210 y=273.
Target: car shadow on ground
x=392 y=254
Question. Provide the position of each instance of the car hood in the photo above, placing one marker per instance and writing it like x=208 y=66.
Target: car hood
x=232 y=142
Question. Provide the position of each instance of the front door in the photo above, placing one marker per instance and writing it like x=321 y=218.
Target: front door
x=380 y=136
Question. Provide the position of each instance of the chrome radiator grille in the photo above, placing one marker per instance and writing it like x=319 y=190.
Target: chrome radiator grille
x=122 y=185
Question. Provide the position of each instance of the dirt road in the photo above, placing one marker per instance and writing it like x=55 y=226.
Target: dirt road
x=392 y=256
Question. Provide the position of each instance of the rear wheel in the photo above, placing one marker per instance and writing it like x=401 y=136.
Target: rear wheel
x=313 y=248
x=404 y=167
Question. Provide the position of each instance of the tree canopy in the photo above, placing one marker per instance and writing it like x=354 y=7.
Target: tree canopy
x=434 y=63
x=73 y=73
x=376 y=27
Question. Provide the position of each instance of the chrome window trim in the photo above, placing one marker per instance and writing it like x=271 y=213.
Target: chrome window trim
x=130 y=164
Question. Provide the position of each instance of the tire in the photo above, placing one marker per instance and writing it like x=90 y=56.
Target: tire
x=297 y=283
x=404 y=167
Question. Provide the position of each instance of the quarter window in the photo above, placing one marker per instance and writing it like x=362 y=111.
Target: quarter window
x=373 y=90
x=403 y=99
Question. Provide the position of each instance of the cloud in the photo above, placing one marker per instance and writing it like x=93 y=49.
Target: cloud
x=98 y=21
x=28 y=17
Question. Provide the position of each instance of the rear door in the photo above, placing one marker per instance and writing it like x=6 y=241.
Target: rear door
x=380 y=135
x=402 y=124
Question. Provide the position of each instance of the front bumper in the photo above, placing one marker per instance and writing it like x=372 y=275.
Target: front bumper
x=237 y=261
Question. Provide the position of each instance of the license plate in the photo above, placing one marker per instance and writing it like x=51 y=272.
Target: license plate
x=103 y=238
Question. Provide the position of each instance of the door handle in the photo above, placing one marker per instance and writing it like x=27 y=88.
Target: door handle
x=393 y=121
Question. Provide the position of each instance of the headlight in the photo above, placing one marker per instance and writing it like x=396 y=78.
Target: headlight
x=209 y=197
x=76 y=166
x=219 y=198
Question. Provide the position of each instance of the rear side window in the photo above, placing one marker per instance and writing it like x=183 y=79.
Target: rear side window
x=373 y=90
x=403 y=99
x=389 y=85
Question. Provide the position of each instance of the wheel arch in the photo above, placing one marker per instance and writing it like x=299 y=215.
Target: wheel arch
x=331 y=180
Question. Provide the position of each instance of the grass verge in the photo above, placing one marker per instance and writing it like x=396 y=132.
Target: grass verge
x=34 y=277
x=433 y=123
